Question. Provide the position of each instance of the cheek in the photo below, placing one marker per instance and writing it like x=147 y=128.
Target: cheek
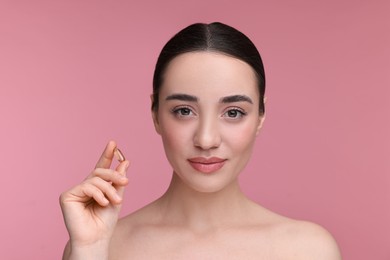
x=241 y=137
x=175 y=136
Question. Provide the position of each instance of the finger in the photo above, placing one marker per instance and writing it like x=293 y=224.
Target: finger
x=109 y=175
x=107 y=155
x=109 y=191
x=122 y=168
x=93 y=192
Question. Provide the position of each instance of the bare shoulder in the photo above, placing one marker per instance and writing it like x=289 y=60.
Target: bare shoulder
x=129 y=224
x=131 y=232
x=307 y=240
x=293 y=239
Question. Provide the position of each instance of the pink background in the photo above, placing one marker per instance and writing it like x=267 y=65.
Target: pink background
x=74 y=74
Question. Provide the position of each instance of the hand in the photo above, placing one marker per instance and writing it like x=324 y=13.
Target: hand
x=91 y=208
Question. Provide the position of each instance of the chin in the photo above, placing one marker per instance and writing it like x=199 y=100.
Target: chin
x=207 y=188
x=206 y=183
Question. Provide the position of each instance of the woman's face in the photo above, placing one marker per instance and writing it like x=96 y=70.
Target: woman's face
x=208 y=118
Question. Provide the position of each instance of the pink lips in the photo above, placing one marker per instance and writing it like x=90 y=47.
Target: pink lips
x=207 y=165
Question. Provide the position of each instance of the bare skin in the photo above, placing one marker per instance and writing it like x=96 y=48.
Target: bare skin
x=227 y=226
x=91 y=208
x=203 y=214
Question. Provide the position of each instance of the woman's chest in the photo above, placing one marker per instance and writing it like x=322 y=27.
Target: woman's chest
x=185 y=245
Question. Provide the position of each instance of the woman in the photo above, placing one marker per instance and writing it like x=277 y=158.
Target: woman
x=208 y=107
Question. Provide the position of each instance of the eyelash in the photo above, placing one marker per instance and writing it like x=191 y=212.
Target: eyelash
x=178 y=112
x=241 y=113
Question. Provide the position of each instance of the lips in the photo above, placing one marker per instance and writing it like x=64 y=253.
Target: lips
x=207 y=165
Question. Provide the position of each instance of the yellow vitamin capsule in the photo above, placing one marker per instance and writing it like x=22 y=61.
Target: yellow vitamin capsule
x=119 y=155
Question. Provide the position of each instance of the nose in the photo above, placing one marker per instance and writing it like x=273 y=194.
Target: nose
x=207 y=135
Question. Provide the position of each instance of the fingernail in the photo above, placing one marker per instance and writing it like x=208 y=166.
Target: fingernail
x=127 y=165
x=105 y=201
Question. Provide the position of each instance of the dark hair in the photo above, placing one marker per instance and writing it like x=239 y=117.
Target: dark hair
x=217 y=37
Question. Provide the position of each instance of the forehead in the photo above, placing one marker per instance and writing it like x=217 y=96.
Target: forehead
x=209 y=73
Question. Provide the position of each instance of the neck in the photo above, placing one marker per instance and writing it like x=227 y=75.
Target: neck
x=200 y=211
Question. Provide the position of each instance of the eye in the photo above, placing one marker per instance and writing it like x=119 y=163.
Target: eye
x=182 y=111
x=234 y=113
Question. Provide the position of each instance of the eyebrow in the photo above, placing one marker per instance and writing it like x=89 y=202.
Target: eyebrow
x=182 y=97
x=236 y=98
x=227 y=99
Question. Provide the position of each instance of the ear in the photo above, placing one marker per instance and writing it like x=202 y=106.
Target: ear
x=260 y=125
x=155 y=117
x=261 y=119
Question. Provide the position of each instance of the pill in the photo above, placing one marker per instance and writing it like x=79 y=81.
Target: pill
x=119 y=155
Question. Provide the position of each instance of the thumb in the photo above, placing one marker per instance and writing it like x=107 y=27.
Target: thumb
x=122 y=169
